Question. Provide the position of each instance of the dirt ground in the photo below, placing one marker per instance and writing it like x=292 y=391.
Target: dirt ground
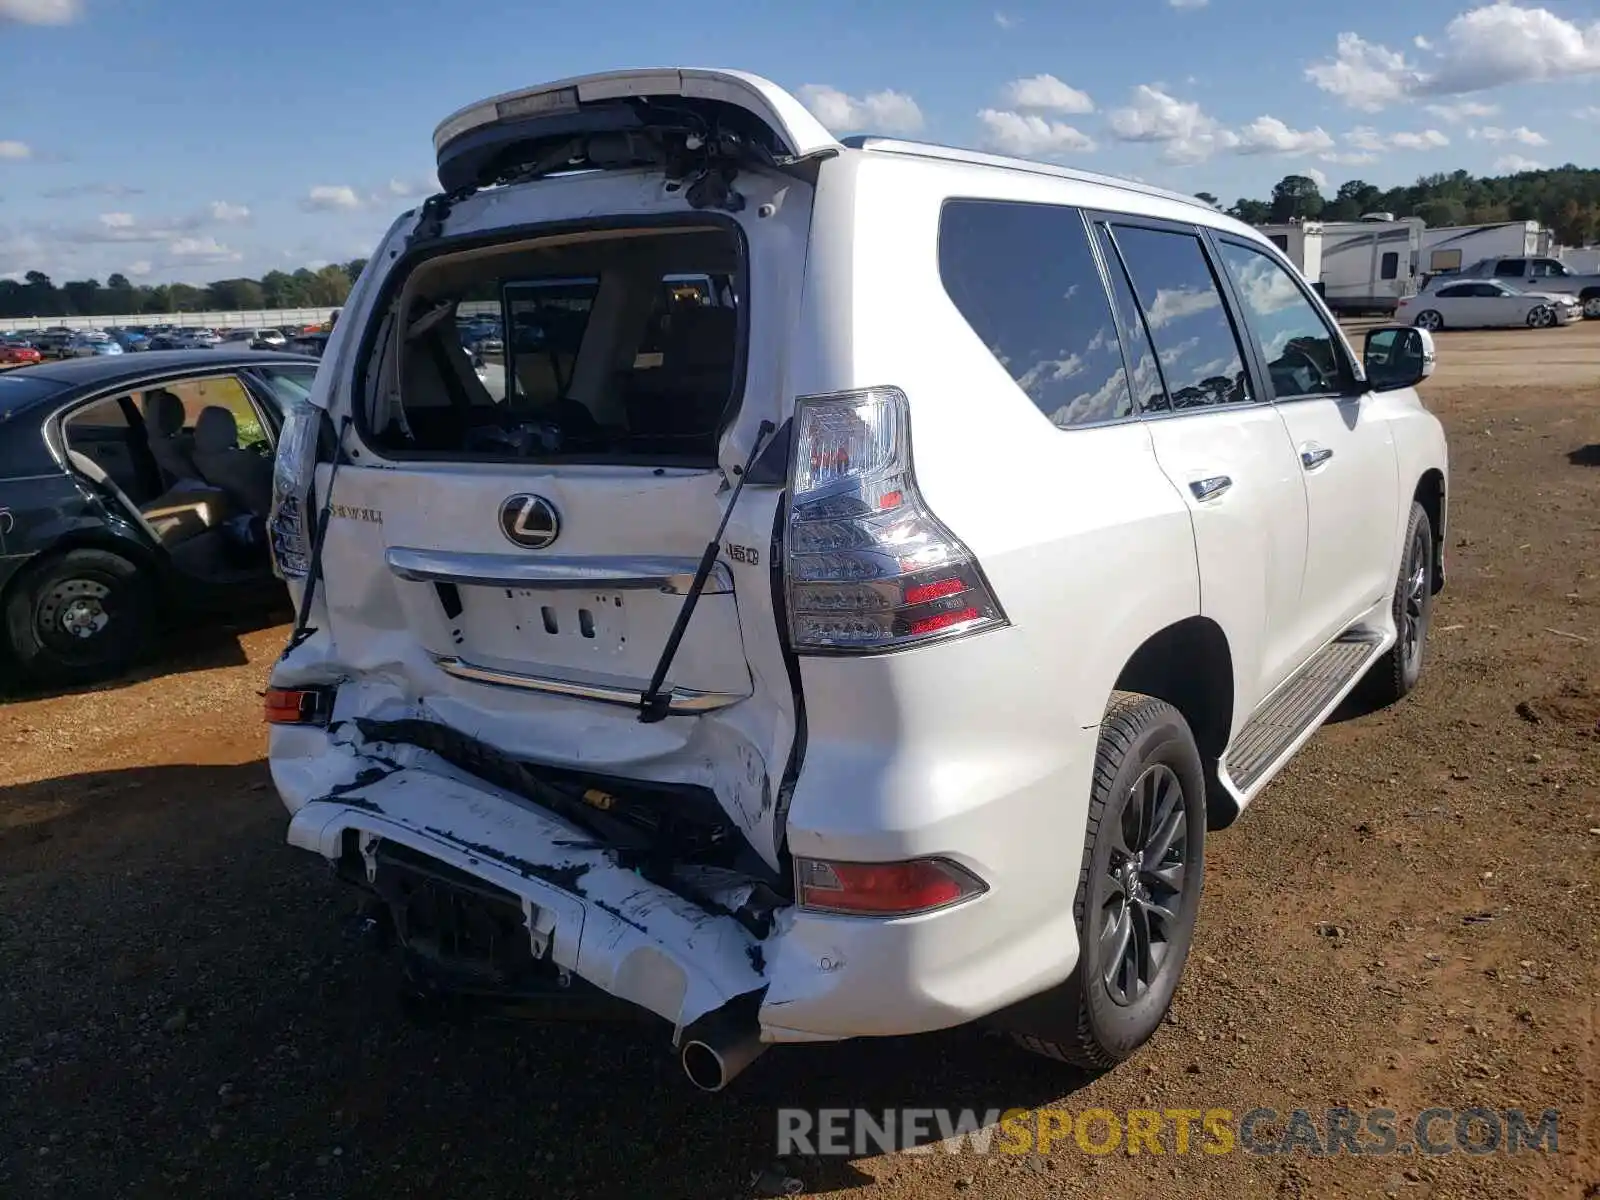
x=1407 y=918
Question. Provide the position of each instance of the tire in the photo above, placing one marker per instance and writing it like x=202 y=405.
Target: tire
x=1591 y=305
x=1430 y=319
x=1541 y=316
x=1395 y=674
x=1146 y=752
x=79 y=617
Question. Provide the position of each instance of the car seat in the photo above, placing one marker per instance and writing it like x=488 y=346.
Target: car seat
x=244 y=475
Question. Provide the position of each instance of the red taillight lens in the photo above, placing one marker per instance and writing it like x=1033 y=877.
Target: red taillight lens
x=297 y=706
x=893 y=889
x=867 y=565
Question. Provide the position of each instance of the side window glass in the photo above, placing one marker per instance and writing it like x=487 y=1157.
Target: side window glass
x=1303 y=357
x=1025 y=279
x=1510 y=268
x=1389 y=266
x=1148 y=392
x=1200 y=354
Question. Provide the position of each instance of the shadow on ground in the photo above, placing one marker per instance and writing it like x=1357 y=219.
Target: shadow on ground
x=184 y=1014
x=200 y=645
x=1585 y=456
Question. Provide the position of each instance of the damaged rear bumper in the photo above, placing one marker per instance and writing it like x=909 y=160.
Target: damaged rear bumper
x=583 y=913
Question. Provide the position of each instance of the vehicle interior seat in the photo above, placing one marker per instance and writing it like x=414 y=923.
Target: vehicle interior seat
x=171 y=520
x=245 y=476
x=169 y=445
x=187 y=497
x=685 y=395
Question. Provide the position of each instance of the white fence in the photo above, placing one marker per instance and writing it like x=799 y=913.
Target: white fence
x=258 y=319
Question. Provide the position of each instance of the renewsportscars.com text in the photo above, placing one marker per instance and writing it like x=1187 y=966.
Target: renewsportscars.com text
x=1214 y=1131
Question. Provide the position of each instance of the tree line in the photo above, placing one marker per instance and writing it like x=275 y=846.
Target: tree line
x=37 y=295
x=1565 y=200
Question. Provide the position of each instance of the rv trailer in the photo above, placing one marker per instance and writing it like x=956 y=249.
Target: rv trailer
x=1301 y=243
x=1368 y=265
x=1451 y=247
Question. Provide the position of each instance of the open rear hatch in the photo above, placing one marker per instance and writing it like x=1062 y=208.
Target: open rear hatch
x=555 y=392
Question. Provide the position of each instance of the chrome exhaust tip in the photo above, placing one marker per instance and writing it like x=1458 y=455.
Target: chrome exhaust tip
x=718 y=1049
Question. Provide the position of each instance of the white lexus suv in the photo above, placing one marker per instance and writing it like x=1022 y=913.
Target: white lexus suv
x=863 y=578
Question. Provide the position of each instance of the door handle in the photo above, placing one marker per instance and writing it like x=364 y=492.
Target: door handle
x=1313 y=456
x=1210 y=487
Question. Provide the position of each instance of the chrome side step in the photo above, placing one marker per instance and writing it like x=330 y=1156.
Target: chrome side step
x=1296 y=709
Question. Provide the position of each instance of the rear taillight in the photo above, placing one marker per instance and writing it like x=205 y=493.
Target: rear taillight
x=290 y=519
x=891 y=889
x=867 y=566
x=297 y=706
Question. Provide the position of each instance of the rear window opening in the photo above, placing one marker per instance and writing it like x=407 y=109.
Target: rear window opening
x=618 y=345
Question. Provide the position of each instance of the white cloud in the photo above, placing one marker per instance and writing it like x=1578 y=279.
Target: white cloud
x=403 y=189
x=1174 y=304
x=1187 y=134
x=1317 y=177
x=41 y=12
x=15 y=150
x=139 y=269
x=227 y=213
x=1465 y=110
x=1349 y=160
x=1365 y=137
x=1365 y=75
x=1006 y=21
x=203 y=250
x=887 y=111
x=1521 y=134
x=1046 y=93
x=1268 y=135
x=1029 y=136
x=1428 y=139
x=1492 y=46
x=1515 y=162
x=327 y=197
x=1184 y=132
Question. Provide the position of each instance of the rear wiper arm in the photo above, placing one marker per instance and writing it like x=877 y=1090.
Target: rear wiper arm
x=653 y=704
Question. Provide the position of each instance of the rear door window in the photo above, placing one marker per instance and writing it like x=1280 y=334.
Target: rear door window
x=1025 y=279
x=1511 y=268
x=1304 y=358
x=1201 y=358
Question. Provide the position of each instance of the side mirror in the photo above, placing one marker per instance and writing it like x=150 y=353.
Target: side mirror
x=1398 y=356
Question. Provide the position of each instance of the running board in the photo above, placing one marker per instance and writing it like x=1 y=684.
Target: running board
x=1296 y=710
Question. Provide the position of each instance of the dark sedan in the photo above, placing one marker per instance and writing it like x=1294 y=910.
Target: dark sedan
x=133 y=488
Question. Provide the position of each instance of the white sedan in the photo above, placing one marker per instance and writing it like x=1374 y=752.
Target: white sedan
x=1486 y=304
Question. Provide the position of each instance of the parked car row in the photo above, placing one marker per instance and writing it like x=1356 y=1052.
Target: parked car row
x=58 y=341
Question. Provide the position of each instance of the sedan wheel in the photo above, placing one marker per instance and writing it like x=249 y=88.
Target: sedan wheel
x=1541 y=316
x=1429 y=319
x=1591 y=308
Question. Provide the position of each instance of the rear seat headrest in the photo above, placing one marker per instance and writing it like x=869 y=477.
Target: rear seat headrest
x=215 y=430
x=163 y=412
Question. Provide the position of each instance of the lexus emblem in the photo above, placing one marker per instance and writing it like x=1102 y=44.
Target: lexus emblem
x=529 y=521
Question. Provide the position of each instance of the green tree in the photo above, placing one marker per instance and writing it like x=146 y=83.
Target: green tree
x=1296 y=196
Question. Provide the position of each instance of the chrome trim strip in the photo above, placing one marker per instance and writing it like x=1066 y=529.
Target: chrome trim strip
x=618 y=573
x=683 y=702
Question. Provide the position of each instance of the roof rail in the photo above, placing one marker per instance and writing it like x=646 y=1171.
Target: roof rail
x=915 y=149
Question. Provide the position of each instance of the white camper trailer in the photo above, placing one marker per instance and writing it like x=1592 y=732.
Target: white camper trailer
x=1358 y=266
x=1301 y=243
x=1452 y=247
x=1368 y=265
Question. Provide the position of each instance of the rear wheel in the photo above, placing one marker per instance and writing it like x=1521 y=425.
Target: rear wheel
x=1139 y=884
x=1397 y=672
x=79 y=617
x=1429 y=319
x=1591 y=305
x=1541 y=316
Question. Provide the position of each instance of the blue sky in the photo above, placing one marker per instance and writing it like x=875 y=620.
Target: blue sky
x=173 y=139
